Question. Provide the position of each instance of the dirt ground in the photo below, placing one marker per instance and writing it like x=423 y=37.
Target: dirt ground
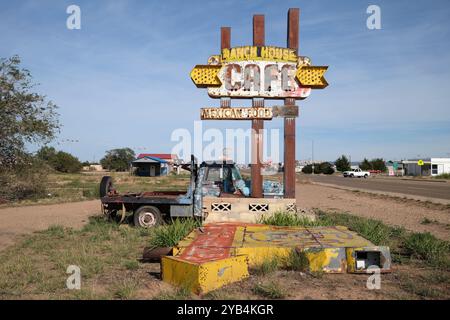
x=118 y=271
x=393 y=211
x=17 y=221
x=66 y=208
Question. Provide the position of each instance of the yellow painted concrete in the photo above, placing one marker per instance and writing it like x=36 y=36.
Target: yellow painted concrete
x=204 y=277
x=328 y=249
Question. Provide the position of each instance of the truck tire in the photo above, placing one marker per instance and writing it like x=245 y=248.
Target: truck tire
x=105 y=186
x=351 y=175
x=147 y=217
x=366 y=176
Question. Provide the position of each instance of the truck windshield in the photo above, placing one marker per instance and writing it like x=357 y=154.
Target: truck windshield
x=236 y=174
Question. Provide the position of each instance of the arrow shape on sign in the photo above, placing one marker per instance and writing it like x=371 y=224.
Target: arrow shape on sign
x=206 y=76
x=312 y=76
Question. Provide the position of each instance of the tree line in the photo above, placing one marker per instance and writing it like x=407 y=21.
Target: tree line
x=114 y=160
x=343 y=164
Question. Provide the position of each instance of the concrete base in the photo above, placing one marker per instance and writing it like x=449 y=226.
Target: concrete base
x=244 y=209
x=220 y=253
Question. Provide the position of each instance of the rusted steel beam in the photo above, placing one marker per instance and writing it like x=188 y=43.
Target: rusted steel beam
x=225 y=43
x=293 y=27
x=257 y=125
x=257 y=139
x=289 y=158
x=225 y=102
x=225 y=37
x=258 y=30
x=289 y=123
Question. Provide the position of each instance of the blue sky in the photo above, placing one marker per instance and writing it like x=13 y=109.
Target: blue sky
x=123 y=79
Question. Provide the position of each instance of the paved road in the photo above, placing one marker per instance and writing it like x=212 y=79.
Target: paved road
x=439 y=190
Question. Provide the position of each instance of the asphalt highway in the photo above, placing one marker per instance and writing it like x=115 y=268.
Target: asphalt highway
x=429 y=189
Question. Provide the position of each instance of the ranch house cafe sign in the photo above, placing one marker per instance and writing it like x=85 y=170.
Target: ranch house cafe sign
x=259 y=72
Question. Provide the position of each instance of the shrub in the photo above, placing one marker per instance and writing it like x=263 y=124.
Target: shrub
x=307 y=169
x=118 y=159
x=26 y=181
x=297 y=261
x=270 y=290
x=281 y=218
x=269 y=265
x=59 y=160
x=427 y=247
x=373 y=230
x=326 y=168
x=169 y=235
x=342 y=164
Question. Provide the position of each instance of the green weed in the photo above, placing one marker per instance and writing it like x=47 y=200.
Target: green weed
x=169 y=235
x=270 y=290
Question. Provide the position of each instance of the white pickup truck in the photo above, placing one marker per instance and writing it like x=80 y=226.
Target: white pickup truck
x=356 y=173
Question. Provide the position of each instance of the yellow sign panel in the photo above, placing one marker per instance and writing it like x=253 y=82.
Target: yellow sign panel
x=420 y=163
x=236 y=113
x=206 y=75
x=313 y=77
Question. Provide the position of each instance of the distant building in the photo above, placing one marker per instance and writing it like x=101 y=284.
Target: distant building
x=395 y=168
x=169 y=158
x=93 y=167
x=430 y=167
x=154 y=164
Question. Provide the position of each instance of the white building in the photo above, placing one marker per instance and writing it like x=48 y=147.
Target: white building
x=431 y=167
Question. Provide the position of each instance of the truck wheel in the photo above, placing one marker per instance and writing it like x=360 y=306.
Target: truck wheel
x=147 y=217
x=351 y=176
x=105 y=186
x=365 y=176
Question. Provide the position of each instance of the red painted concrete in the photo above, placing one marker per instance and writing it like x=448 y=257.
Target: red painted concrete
x=213 y=243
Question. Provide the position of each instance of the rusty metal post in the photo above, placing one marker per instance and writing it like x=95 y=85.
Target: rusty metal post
x=257 y=125
x=225 y=37
x=289 y=123
x=225 y=43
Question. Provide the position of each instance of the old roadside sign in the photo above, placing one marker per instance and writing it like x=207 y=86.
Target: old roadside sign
x=259 y=72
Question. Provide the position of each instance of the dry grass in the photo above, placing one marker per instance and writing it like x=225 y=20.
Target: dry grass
x=108 y=255
x=85 y=186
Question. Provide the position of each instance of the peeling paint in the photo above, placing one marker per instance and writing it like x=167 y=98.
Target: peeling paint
x=328 y=249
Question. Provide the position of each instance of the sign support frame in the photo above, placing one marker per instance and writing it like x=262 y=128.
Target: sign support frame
x=257 y=125
x=289 y=123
